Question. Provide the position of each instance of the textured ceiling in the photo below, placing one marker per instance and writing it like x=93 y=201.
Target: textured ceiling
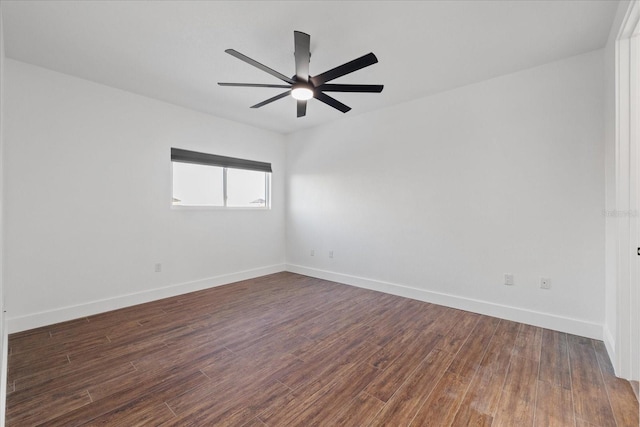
x=174 y=50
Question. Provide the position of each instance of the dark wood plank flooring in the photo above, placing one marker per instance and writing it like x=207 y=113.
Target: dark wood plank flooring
x=290 y=350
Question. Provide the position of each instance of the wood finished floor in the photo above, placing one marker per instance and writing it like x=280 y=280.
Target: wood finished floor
x=289 y=350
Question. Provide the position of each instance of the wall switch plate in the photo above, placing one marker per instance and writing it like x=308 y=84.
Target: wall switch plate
x=313 y=253
x=158 y=268
x=508 y=279
x=330 y=254
x=545 y=283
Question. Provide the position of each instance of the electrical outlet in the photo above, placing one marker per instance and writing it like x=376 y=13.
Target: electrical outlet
x=313 y=253
x=158 y=268
x=330 y=254
x=508 y=279
x=545 y=283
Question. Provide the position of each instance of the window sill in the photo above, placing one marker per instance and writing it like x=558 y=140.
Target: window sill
x=217 y=208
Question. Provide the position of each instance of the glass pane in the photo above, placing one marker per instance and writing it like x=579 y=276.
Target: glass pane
x=197 y=185
x=246 y=189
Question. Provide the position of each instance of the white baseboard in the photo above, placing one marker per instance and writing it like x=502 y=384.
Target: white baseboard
x=4 y=362
x=544 y=320
x=35 y=320
x=610 y=344
x=530 y=317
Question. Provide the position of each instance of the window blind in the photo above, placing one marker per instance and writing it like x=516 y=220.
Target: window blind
x=186 y=156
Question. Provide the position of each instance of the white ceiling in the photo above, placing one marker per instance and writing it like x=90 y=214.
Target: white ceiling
x=174 y=50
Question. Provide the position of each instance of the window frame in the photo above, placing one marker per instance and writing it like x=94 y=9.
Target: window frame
x=193 y=157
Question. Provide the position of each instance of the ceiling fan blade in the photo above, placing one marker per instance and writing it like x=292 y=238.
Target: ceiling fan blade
x=302 y=42
x=256 y=64
x=254 y=85
x=270 y=100
x=341 y=70
x=350 y=88
x=302 y=107
x=332 y=102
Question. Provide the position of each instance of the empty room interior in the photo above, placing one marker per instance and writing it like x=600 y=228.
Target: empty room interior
x=320 y=213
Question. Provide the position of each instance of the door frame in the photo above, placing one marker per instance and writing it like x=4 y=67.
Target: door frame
x=627 y=167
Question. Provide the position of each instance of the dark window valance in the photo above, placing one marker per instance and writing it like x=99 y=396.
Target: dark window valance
x=186 y=156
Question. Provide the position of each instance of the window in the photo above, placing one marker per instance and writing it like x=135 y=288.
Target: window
x=201 y=179
x=198 y=185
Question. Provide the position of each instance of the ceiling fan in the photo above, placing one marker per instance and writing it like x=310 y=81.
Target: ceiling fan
x=302 y=86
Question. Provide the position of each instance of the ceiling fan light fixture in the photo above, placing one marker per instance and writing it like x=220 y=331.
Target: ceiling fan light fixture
x=302 y=86
x=302 y=93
